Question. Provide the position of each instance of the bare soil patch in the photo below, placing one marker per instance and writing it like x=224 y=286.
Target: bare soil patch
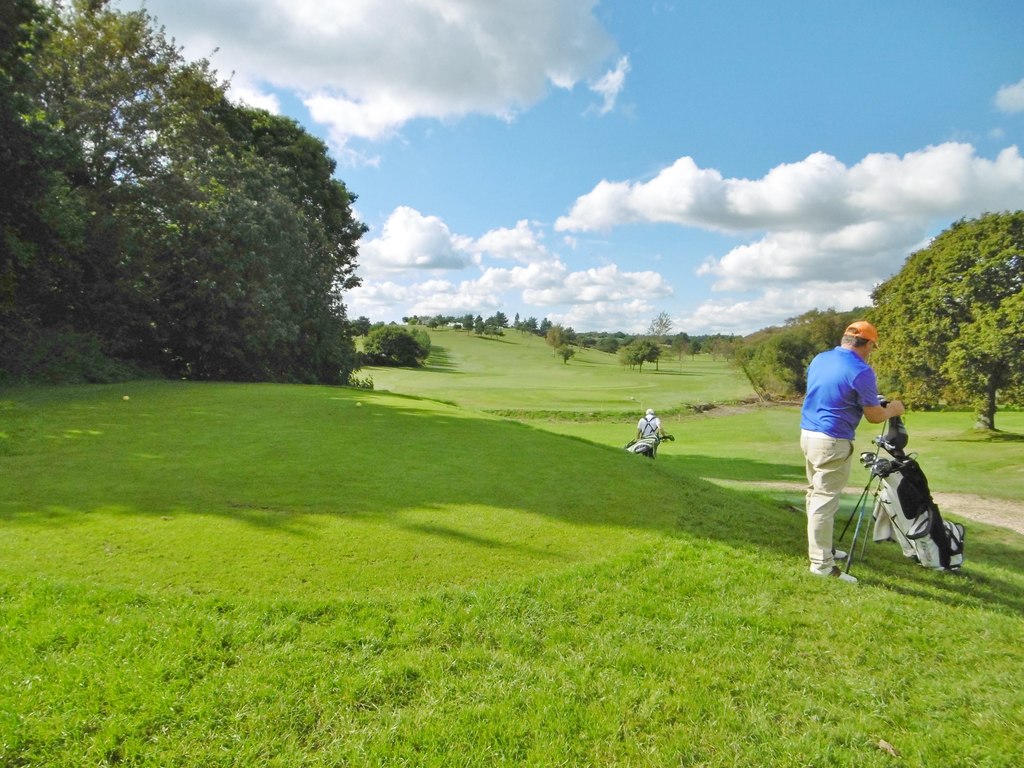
x=1004 y=513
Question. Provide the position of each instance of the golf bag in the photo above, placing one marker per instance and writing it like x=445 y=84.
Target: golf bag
x=904 y=509
x=647 y=446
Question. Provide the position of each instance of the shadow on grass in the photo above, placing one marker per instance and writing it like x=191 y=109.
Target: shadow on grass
x=988 y=436
x=497 y=339
x=882 y=563
x=740 y=469
x=439 y=361
x=453 y=534
x=297 y=460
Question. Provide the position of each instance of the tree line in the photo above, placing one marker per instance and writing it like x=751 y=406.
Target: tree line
x=149 y=225
x=558 y=336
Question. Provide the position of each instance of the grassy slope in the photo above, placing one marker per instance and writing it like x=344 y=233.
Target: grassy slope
x=519 y=372
x=232 y=575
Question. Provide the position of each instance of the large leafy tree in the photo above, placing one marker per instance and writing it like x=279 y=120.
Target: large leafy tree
x=776 y=366
x=269 y=249
x=638 y=352
x=177 y=230
x=21 y=165
x=39 y=215
x=951 y=320
x=138 y=116
x=307 y=172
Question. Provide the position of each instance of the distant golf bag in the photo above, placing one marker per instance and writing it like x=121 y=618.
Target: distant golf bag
x=904 y=509
x=647 y=446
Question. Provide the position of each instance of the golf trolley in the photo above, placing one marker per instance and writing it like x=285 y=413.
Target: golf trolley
x=647 y=446
x=903 y=509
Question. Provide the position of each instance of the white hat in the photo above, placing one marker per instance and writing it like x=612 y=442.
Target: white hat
x=650 y=412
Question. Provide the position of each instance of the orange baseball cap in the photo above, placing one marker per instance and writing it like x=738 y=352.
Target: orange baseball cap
x=863 y=329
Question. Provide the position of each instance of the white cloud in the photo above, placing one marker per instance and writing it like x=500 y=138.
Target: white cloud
x=773 y=306
x=860 y=251
x=464 y=298
x=601 y=284
x=828 y=234
x=939 y=181
x=521 y=243
x=821 y=219
x=364 y=77
x=610 y=85
x=410 y=240
x=1010 y=98
x=818 y=193
x=540 y=276
x=244 y=92
x=540 y=283
x=630 y=317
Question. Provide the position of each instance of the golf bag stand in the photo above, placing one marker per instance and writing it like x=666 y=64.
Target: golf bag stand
x=859 y=509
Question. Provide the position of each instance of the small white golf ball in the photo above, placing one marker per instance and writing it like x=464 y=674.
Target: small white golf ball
x=359 y=405
x=126 y=398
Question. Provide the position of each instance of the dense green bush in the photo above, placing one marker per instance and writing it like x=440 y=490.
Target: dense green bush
x=59 y=356
x=775 y=360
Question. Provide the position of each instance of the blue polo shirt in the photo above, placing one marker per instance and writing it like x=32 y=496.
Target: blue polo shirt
x=839 y=385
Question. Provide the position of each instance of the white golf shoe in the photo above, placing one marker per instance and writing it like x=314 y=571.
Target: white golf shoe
x=836 y=573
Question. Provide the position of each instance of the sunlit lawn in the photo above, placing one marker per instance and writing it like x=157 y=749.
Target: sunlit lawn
x=216 y=574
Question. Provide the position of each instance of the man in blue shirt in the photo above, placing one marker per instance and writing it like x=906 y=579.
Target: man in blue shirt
x=841 y=388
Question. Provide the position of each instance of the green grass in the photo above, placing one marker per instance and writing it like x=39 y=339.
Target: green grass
x=762 y=445
x=519 y=375
x=216 y=574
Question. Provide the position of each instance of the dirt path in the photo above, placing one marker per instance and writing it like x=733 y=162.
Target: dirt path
x=1000 y=512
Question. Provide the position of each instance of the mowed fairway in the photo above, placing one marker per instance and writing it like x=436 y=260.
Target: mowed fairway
x=238 y=575
x=520 y=372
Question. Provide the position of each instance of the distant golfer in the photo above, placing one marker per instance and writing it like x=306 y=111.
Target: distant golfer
x=649 y=426
x=841 y=388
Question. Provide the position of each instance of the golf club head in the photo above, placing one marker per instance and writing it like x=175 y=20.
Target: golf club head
x=881 y=468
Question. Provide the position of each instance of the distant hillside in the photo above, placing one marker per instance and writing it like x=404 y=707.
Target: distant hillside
x=520 y=372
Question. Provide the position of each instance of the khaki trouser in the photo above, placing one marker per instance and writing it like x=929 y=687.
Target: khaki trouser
x=828 y=462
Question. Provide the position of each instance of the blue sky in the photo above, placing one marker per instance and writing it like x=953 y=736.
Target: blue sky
x=730 y=163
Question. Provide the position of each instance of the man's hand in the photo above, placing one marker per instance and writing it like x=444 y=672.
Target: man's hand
x=876 y=414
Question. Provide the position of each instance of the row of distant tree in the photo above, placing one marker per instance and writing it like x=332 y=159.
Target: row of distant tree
x=149 y=224
x=409 y=345
x=560 y=337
